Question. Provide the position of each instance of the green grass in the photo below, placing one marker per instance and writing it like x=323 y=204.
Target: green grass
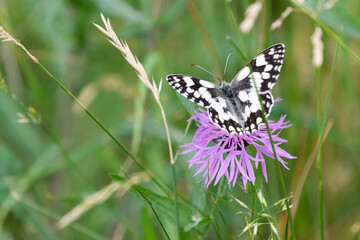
x=63 y=154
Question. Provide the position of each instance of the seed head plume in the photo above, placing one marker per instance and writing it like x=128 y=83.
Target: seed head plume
x=123 y=47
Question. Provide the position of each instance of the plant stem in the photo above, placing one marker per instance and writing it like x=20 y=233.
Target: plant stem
x=236 y=30
x=321 y=136
x=329 y=31
x=319 y=160
x=106 y=130
x=276 y=159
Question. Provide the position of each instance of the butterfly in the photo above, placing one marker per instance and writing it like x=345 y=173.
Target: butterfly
x=235 y=106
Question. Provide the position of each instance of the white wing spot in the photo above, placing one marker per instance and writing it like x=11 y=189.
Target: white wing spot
x=265 y=75
x=253 y=98
x=260 y=60
x=206 y=96
x=190 y=90
x=258 y=120
x=247 y=111
x=243 y=73
x=189 y=82
x=202 y=90
x=253 y=108
x=268 y=67
x=206 y=84
x=243 y=96
x=256 y=75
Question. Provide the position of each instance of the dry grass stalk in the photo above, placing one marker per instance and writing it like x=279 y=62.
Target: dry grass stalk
x=330 y=4
x=318 y=48
x=99 y=197
x=299 y=1
x=8 y=38
x=278 y=23
x=251 y=15
x=122 y=46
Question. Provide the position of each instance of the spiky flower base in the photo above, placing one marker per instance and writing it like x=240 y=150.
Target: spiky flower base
x=218 y=153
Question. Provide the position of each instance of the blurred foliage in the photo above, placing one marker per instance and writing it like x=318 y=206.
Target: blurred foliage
x=50 y=166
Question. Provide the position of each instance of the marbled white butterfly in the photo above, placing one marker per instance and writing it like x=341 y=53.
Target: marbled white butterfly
x=235 y=106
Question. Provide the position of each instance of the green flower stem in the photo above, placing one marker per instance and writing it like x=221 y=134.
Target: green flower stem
x=176 y=201
x=74 y=167
x=321 y=137
x=253 y=204
x=118 y=143
x=237 y=49
x=152 y=208
x=236 y=30
x=318 y=157
x=106 y=130
x=276 y=161
x=328 y=30
x=215 y=207
x=174 y=184
x=280 y=175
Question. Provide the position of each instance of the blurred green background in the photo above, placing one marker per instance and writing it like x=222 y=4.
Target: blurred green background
x=48 y=168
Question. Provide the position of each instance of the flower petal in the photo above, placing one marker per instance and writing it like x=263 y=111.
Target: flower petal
x=212 y=144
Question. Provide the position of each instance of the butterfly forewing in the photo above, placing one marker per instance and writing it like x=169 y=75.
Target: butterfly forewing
x=235 y=107
x=196 y=90
x=265 y=68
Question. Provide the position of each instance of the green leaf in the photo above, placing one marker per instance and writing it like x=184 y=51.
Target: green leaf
x=120 y=9
x=148 y=229
x=116 y=177
x=173 y=11
x=340 y=17
x=337 y=17
x=165 y=208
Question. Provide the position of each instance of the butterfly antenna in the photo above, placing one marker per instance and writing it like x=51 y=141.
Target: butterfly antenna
x=227 y=61
x=193 y=65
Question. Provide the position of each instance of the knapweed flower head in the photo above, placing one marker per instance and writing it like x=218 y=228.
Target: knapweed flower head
x=218 y=153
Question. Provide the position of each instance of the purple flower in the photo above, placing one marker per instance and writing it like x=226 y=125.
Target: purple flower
x=219 y=153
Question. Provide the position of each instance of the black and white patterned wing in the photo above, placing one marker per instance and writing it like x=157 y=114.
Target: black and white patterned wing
x=240 y=112
x=235 y=107
x=201 y=92
x=245 y=119
x=265 y=68
x=222 y=116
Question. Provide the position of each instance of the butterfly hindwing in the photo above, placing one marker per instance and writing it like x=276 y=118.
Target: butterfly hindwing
x=221 y=115
x=196 y=90
x=255 y=118
x=246 y=118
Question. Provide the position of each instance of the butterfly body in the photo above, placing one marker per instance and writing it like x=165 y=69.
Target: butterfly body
x=235 y=106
